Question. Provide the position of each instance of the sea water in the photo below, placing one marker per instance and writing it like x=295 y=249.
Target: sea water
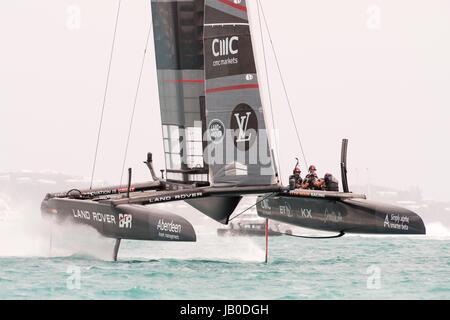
x=41 y=261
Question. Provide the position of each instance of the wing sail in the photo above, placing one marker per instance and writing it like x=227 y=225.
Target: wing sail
x=213 y=121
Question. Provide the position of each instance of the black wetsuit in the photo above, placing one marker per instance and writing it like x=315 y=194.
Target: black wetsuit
x=298 y=181
x=311 y=178
x=331 y=183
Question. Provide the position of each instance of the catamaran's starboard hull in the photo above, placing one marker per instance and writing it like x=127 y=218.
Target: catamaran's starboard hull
x=343 y=215
x=133 y=222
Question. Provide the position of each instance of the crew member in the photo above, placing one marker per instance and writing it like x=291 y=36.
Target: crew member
x=330 y=183
x=295 y=181
x=311 y=180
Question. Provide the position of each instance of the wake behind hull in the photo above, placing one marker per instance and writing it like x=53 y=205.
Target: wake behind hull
x=341 y=215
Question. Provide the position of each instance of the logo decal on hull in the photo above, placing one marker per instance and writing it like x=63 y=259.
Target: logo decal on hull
x=286 y=210
x=168 y=230
x=386 y=222
x=96 y=217
x=125 y=221
x=306 y=213
x=332 y=215
x=265 y=204
x=395 y=221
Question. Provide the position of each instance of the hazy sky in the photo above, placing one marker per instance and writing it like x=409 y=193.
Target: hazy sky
x=376 y=72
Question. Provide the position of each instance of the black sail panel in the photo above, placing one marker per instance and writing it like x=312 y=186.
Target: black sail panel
x=178 y=34
x=238 y=152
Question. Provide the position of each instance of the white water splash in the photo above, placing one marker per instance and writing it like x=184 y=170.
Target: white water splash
x=437 y=230
x=230 y=248
x=26 y=234
x=208 y=247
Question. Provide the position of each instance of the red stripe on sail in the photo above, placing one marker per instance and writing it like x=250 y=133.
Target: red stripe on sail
x=185 y=81
x=246 y=86
x=234 y=5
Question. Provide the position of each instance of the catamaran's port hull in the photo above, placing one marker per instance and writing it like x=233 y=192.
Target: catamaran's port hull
x=341 y=215
x=132 y=222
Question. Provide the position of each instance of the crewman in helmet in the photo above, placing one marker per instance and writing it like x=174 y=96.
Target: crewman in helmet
x=295 y=181
x=311 y=180
x=329 y=183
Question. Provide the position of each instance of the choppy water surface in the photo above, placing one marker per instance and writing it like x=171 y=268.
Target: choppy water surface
x=353 y=267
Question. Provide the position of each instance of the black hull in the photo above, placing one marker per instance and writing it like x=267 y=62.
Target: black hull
x=341 y=215
x=132 y=222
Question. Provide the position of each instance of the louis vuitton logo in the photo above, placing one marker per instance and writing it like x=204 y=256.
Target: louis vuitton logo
x=242 y=122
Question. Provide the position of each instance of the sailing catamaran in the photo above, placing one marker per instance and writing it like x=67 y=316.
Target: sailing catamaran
x=216 y=145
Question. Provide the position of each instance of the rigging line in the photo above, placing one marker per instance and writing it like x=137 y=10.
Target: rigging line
x=135 y=101
x=266 y=197
x=284 y=87
x=268 y=87
x=105 y=94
